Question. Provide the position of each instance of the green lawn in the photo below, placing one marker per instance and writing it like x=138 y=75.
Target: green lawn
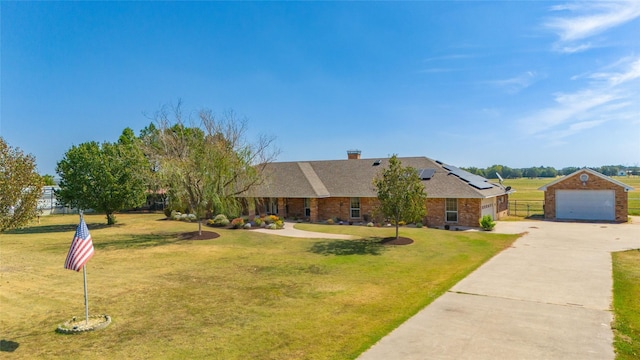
x=626 y=304
x=244 y=295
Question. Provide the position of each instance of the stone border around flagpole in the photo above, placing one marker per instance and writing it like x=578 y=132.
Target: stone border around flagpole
x=76 y=326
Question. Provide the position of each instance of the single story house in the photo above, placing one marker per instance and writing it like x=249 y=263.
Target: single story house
x=344 y=190
x=586 y=195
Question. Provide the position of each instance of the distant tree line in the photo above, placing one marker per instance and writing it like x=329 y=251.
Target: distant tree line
x=548 y=171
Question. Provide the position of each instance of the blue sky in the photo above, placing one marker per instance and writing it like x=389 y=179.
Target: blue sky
x=470 y=83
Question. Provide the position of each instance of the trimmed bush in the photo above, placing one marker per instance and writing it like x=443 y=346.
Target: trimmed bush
x=220 y=220
x=487 y=223
x=258 y=222
x=330 y=221
x=369 y=224
x=419 y=225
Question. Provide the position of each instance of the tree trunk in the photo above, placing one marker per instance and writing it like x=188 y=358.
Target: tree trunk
x=111 y=219
x=199 y=226
x=397 y=226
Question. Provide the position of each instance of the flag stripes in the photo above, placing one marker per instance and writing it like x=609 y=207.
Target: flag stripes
x=81 y=248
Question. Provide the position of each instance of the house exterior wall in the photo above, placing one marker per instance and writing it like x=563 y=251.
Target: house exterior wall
x=593 y=183
x=468 y=213
x=295 y=208
x=339 y=207
x=502 y=208
x=322 y=209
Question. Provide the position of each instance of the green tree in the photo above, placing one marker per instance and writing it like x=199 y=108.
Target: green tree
x=107 y=178
x=48 y=179
x=207 y=165
x=401 y=193
x=20 y=187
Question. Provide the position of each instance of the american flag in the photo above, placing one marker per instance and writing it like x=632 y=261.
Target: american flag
x=81 y=248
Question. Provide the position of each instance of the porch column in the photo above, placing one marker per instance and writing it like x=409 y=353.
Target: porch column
x=282 y=209
x=313 y=207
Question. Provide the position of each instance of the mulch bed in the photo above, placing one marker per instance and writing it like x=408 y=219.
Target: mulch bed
x=399 y=241
x=193 y=235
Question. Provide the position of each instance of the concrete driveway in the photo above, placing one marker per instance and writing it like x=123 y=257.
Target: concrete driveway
x=546 y=297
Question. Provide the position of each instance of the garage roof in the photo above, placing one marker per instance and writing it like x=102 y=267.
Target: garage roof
x=592 y=172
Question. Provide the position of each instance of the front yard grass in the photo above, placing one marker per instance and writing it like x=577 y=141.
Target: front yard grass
x=244 y=295
x=626 y=304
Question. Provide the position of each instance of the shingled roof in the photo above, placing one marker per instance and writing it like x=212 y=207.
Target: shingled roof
x=354 y=178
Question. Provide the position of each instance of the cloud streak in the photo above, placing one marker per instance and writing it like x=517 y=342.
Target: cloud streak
x=587 y=19
x=607 y=96
x=518 y=83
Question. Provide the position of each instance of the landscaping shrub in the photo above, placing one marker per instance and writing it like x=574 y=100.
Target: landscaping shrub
x=258 y=222
x=487 y=223
x=167 y=212
x=369 y=224
x=279 y=224
x=419 y=225
x=272 y=226
x=271 y=219
x=237 y=223
x=220 y=220
x=330 y=221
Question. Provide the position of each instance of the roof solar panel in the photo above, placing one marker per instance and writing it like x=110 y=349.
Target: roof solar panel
x=426 y=174
x=481 y=185
x=476 y=181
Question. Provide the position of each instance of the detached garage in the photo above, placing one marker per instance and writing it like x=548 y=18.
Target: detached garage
x=586 y=195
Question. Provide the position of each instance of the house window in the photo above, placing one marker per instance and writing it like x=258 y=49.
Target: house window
x=307 y=207
x=355 y=208
x=451 y=210
x=272 y=206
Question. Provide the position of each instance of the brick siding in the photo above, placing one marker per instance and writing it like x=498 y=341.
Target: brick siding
x=594 y=183
x=323 y=209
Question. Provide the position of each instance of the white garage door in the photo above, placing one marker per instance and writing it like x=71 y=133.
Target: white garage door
x=488 y=208
x=585 y=204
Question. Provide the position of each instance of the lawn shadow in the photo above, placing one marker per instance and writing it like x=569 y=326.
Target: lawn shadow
x=8 y=345
x=371 y=246
x=43 y=229
x=138 y=241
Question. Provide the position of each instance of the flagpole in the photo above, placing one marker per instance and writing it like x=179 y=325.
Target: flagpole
x=86 y=298
x=84 y=273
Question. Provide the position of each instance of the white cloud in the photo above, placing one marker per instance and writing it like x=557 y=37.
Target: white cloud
x=574 y=49
x=587 y=19
x=607 y=95
x=518 y=83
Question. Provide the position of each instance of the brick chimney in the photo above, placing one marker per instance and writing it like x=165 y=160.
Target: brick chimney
x=353 y=154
